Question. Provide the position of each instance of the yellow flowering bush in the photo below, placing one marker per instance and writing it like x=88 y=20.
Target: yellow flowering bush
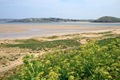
x=94 y=61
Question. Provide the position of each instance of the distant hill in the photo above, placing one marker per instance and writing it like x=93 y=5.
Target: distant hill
x=44 y=20
x=107 y=19
x=104 y=19
x=37 y=20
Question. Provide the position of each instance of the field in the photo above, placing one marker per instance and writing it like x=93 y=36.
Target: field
x=68 y=57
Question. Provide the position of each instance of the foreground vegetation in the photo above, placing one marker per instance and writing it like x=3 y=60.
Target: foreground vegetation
x=94 y=61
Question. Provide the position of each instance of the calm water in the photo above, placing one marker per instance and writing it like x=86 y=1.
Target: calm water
x=66 y=23
x=43 y=32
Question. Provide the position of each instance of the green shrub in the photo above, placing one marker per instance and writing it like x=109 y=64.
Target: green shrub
x=38 y=45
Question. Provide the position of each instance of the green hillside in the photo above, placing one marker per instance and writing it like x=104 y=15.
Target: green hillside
x=107 y=19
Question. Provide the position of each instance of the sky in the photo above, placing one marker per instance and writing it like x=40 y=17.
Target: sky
x=72 y=9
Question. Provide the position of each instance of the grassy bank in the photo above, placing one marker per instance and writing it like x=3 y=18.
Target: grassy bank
x=39 y=45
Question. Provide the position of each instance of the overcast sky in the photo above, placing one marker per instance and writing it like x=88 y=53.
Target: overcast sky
x=76 y=9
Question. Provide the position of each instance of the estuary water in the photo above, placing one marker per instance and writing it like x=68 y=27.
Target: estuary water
x=64 y=23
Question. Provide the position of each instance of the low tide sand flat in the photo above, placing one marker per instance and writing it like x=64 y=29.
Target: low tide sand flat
x=12 y=31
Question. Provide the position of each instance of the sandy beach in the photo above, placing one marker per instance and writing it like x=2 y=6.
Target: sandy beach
x=17 y=31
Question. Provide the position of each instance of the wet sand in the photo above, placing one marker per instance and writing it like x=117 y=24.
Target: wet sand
x=15 y=31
